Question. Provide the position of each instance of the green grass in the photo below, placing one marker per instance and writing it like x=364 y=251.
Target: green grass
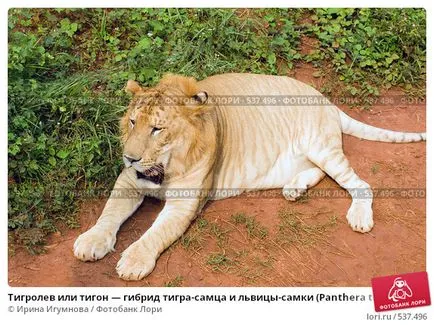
x=220 y=262
x=194 y=237
x=253 y=228
x=67 y=69
x=176 y=282
x=375 y=168
x=220 y=234
x=297 y=229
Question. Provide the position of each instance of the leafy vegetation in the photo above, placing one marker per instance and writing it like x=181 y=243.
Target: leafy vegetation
x=371 y=48
x=67 y=69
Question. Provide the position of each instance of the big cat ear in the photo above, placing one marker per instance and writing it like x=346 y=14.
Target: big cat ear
x=201 y=97
x=197 y=105
x=133 y=88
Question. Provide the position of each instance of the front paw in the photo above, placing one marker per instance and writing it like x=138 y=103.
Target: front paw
x=360 y=217
x=136 y=262
x=94 y=244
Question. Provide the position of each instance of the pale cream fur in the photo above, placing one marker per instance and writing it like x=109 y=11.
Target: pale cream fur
x=207 y=146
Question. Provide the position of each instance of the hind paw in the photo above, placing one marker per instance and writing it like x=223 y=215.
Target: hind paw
x=360 y=217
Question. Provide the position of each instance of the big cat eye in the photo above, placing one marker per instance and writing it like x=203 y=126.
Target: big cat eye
x=156 y=130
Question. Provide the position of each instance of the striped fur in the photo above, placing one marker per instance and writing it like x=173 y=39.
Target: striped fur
x=363 y=131
x=207 y=145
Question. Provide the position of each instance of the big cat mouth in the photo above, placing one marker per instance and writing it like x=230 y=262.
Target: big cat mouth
x=155 y=174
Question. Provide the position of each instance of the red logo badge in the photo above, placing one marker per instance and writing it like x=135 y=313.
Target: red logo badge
x=401 y=291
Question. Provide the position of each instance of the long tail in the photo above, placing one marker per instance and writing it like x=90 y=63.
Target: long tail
x=364 y=131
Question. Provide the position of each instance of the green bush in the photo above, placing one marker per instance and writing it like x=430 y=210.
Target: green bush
x=371 y=48
x=67 y=69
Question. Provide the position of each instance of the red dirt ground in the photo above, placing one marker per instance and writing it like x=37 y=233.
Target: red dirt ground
x=305 y=245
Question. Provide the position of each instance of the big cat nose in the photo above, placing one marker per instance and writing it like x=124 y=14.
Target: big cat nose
x=130 y=159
